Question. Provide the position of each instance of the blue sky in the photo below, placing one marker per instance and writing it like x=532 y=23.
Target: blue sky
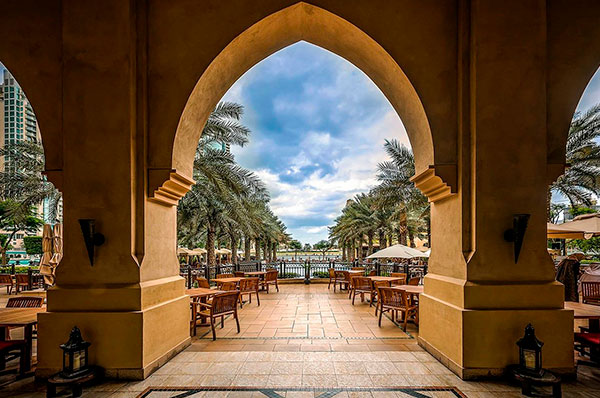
x=318 y=127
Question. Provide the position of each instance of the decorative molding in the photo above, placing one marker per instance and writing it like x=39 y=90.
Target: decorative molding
x=169 y=186
x=432 y=185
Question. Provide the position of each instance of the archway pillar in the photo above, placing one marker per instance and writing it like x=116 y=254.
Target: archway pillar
x=477 y=299
x=130 y=303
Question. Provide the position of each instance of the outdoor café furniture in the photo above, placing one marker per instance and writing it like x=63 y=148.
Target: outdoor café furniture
x=203 y=282
x=249 y=286
x=20 y=317
x=228 y=286
x=588 y=344
x=414 y=281
x=22 y=282
x=362 y=286
x=586 y=311
x=527 y=381
x=9 y=347
x=590 y=292
x=238 y=274
x=399 y=275
x=75 y=384
x=373 y=272
x=234 y=279
x=25 y=302
x=376 y=286
x=255 y=273
x=361 y=269
x=340 y=277
x=395 y=300
x=223 y=276
x=332 y=278
x=6 y=280
x=201 y=295
x=270 y=279
x=388 y=279
x=222 y=304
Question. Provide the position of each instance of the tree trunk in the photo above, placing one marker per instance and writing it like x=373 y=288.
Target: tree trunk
x=402 y=235
x=344 y=251
x=257 y=248
x=247 y=247
x=274 y=251
x=210 y=244
x=548 y=204
x=265 y=251
x=360 y=251
x=411 y=238
x=390 y=239
x=234 y=244
x=370 y=243
x=382 y=242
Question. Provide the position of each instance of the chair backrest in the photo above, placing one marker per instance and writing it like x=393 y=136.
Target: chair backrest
x=414 y=281
x=331 y=273
x=400 y=275
x=340 y=274
x=6 y=279
x=378 y=284
x=228 y=286
x=361 y=283
x=590 y=292
x=347 y=276
x=271 y=275
x=224 y=303
x=393 y=297
x=25 y=302
x=357 y=269
x=239 y=274
x=373 y=273
x=249 y=285
x=203 y=282
x=22 y=279
x=219 y=276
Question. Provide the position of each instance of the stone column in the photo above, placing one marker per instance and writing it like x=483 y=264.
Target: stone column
x=130 y=303
x=477 y=301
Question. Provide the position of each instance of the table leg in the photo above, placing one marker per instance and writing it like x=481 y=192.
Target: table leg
x=28 y=347
x=203 y=318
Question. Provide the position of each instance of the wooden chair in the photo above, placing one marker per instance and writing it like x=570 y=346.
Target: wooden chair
x=376 y=286
x=221 y=276
x=6 y=280
x=249 y=286
x=22 y=282
x=357 y=268
x=590 y=292
x=332 y=278
x=399 y=275
x=394 y=301
x=203 y=282
x=25 y=302
x=362 y=286
x=239 y=274
x=270 y=279
x=414 y=281
x=373 y=273
x=8 y=347
x=340 y=277
x=222 y=304
x=588 y=344
x=228 y=286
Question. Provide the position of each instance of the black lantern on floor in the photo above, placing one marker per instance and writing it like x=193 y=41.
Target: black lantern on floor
x=75 y=355
x=530 y=353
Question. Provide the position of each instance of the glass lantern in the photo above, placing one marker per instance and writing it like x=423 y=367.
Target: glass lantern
x=530 y=353
x=75 y=355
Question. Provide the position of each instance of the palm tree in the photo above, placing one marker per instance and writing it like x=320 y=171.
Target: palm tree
x=24 y=183
x=580 y=181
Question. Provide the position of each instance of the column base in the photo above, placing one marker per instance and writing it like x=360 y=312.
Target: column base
x=475 y=343
x=127 y=344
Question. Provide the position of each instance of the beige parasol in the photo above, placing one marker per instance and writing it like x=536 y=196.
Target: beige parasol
x=57 y=246
x=564 y=231
x=45 y=266
x=589 y=224
x=398 y=251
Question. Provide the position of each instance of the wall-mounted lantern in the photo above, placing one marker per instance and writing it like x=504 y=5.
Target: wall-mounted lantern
x=516 y=234
x=90 y=237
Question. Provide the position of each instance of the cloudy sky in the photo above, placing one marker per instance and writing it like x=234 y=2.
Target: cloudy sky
x=318 y=127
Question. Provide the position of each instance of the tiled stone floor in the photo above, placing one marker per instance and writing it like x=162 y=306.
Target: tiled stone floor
x=314 y=341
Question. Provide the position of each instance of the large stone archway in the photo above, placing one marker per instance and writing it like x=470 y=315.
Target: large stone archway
x=496 y=83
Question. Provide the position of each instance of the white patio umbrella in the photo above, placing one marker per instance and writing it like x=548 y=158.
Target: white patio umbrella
x=57 y=246
x=398 y=251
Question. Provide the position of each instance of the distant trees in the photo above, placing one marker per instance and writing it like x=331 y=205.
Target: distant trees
x=14 y=217
x=307 y=247
x=323 y=246
x=295 y=245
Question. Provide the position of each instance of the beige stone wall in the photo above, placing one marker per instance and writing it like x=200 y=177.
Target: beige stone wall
x=121 y=89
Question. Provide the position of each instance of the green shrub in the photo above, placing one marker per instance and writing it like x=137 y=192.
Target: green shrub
x=33 y=244
x=19 y=269
x=290 y=275
x=320 y=274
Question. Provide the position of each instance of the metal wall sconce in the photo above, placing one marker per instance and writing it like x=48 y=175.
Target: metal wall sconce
x=516 y=234
x=90 y=236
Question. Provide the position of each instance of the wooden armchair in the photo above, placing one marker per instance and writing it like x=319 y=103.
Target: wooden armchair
x=357 y=268
x=221 y=276
x=22 y=282
x=270 y=279
x=376 y=286
x=238 y=274
x=203 y=282
x=399 y=275
x=340 y=277
x=373 y=272
x=396 y=300
x=414 y=281
x=332 y=278
x=249 y=286
x=221 y=305
x=8 y=347
x=362 y=286
x=228 y=286
x=6 y=280
x=590 y=292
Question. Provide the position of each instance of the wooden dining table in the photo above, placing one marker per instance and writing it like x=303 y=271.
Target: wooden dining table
x=255 y=273
x=586 y=311
x=235 y=279
x=201 y=294
x=388 y=279
x=20 y=317
x=414 y=289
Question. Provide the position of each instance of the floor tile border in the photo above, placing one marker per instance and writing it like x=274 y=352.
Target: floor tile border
x=187 y=391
